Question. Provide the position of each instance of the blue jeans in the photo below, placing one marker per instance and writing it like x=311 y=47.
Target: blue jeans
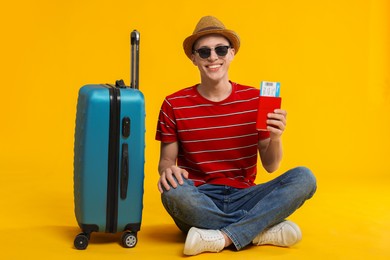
x=239 y=213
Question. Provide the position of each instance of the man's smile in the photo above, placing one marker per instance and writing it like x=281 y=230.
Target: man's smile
x=214 y=66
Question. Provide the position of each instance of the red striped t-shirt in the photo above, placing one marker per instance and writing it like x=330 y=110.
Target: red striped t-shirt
x=218 y=141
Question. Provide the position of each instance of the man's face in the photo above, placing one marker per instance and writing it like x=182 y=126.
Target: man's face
x=214 y=67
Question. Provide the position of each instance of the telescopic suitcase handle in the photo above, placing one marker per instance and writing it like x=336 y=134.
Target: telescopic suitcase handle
x=134 y=60
x=135 y=40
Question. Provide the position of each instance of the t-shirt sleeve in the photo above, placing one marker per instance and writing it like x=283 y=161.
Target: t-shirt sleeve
x=166 y=125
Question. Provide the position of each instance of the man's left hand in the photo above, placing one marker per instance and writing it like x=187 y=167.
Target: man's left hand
x=276 y=123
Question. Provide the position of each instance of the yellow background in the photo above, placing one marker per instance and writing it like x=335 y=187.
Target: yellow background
x=331 y=57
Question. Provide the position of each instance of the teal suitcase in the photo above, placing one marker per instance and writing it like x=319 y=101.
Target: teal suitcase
x=109 y=158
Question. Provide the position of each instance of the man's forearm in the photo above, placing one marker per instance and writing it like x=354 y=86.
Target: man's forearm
x=272 y=156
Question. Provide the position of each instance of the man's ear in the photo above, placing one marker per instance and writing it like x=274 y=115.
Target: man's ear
x=194 y=60
x=233 y=52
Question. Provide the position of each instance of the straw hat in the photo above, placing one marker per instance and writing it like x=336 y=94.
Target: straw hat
x=210 y=25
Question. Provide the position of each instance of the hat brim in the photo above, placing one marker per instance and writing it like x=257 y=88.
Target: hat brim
x=228 y=34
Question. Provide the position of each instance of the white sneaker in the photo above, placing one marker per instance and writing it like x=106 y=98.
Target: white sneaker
x=285 y=233
x=202 y=240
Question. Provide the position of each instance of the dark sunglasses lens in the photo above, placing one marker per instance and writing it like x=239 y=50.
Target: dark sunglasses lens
x=221 y=50
x=204 y=52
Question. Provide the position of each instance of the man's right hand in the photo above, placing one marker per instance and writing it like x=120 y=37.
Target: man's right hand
x=169 y=176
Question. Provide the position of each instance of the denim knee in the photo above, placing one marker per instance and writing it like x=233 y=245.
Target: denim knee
x=307 y=179
x=174 y=195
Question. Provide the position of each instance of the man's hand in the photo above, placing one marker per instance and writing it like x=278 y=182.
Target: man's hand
x=169 y=176
x=276 y=123
x=271 y=150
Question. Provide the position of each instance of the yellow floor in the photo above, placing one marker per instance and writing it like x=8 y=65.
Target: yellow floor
x=349 y=222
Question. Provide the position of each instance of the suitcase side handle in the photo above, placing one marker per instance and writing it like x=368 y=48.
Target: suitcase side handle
x=135 y=42
x=124 y=171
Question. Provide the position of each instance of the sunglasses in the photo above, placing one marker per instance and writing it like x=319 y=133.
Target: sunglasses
x=205 y=52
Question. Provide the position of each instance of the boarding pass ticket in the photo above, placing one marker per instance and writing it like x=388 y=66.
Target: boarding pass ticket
x=270 y=89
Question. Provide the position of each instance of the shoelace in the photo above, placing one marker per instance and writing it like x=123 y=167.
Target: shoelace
x=211 y=242
x=272 y=235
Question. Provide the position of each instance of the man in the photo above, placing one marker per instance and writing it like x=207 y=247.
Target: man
x=209 y=146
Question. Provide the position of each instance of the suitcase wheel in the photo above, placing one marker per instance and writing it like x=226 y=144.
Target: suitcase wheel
x=129 y=239
x=81 y=241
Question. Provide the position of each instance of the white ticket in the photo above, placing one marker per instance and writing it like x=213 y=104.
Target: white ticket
x=270 y=89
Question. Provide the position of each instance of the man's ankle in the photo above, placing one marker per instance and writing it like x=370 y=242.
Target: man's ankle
x=228 y=241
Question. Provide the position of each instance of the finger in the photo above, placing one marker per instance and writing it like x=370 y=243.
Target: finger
x=281 y=111
x=159 y=187
x=177 y=173
x=185 y=174
x=277 y=124
x=179 y=179
x=171 y=180
x=279 y=114
x=277 y=117
x=180 y=173
x=164 y=182
x=275 y=131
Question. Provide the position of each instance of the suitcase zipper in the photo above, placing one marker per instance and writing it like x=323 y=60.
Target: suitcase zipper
x=113 y=161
